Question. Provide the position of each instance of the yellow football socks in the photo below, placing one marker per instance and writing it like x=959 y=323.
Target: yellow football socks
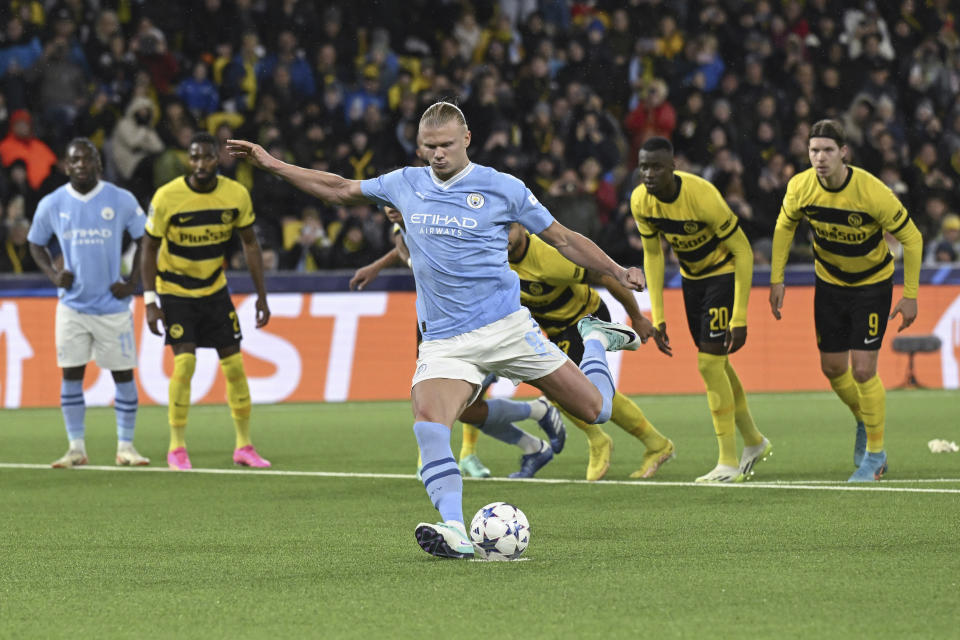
x=179 y=397
x=238 y=396
x=720 y=399
x=741 y=411
x=846 y=387
x=873 y=405
x=468 y=446
x=629 y=417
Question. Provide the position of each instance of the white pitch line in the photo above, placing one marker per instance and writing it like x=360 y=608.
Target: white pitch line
x=812 y=485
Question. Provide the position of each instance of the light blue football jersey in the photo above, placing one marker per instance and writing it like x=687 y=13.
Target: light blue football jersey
x=457 y=231
x=90 y=230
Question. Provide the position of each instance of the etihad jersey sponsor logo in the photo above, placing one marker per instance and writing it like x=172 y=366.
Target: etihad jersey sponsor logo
x=434 y=219
x=87 y=236
x=443 y=225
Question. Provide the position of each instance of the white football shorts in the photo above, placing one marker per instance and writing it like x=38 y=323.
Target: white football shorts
x=107 y=338
x=512 y=347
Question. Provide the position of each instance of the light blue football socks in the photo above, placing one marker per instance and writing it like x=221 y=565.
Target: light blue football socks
x=594 y=366
x=440 y=472
x=125 y=406
x=73 y=407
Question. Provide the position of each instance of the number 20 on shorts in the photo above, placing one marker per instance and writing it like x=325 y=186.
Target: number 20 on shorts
x=719 y=318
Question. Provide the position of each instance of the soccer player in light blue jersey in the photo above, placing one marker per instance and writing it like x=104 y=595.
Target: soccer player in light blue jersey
x=457 y=216
x=89 y=216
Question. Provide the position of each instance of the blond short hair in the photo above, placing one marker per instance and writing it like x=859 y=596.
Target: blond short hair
x=440 y=113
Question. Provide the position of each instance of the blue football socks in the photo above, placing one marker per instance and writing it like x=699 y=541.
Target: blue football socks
x=594 y=366
x=440 y=473
x=73 y=407
x=125 y=406
x=499 y=425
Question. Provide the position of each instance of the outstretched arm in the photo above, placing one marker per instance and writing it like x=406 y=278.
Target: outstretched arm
x=328 y=187
x=585 y=253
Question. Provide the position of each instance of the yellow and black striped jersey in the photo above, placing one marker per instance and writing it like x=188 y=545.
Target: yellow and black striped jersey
x=695 y=223
x=847 y=225
x=195 y=229
x=552 y=287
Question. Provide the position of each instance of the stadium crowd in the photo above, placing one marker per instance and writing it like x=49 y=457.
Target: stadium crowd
x=559 y=93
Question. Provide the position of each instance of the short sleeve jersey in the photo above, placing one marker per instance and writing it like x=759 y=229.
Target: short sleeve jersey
x=456 y=231
x=196 y=228
x=553 y=288
x=695 y=223
x=89 y=227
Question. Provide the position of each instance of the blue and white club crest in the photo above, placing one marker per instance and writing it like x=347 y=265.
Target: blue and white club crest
x=107 y=213
x=475 y=200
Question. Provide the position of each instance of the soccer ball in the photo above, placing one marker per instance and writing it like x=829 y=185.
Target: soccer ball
x=500 y=531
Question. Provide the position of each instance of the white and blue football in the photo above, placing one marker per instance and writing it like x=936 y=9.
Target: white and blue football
x=500 y=531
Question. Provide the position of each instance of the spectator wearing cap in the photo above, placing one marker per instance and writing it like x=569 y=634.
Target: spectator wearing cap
x=63 y=28
x=878 y=84
x=21 y=144
x=946 y=246
x=368 y=92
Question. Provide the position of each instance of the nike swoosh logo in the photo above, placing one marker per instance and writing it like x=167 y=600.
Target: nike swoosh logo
x=716 y=335
x=869 y=340
x=186 y=218
x=420 y=195
x=64 y=215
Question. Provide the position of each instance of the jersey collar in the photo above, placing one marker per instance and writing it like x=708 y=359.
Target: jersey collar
x=843 y=186
x=89 y=195
x=449 y=182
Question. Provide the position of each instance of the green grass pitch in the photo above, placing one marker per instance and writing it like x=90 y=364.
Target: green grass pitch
x=327 y=554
